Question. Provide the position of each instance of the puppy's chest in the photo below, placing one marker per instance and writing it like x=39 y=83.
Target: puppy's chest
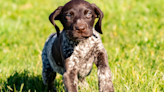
x=80 y=55
x=80 y=51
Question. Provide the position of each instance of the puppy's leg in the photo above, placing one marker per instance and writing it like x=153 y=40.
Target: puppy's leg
x=48 y=79
x=48 y=75
x=70 y=77
x=70 y=81
x=104 y=73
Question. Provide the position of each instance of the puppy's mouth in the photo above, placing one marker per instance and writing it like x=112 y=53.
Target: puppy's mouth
x=81 y=38
x=72 y=35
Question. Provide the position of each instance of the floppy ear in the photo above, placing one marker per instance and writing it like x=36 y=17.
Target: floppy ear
x=100 y=15
x=56 y=16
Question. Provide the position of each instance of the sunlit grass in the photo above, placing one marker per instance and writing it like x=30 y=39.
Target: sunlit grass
x=133 y=35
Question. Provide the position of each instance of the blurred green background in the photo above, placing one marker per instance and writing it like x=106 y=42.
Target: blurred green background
x=133 y=35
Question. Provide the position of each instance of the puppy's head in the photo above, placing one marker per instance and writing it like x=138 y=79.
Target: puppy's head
x=77 y=17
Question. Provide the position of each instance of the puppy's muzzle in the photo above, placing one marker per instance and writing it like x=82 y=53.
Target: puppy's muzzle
x=81 y=28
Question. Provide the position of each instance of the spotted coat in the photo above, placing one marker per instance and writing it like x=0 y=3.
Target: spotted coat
x=81 y=56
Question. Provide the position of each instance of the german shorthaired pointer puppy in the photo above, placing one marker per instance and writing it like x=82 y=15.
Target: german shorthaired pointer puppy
x=73 y=51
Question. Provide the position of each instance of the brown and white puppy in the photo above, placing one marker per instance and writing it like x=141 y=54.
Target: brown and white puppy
x=73 y=51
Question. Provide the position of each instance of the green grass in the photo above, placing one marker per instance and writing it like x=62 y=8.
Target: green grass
x=133 y=37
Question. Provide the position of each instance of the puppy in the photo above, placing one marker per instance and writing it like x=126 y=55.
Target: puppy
x=73 y=51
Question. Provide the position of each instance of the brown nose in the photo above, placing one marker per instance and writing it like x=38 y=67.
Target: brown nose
x=80 y=28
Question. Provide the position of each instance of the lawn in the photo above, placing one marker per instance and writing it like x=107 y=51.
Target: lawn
x=133 y=35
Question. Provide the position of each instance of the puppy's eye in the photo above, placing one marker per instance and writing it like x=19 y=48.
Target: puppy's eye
x=69 y=15
x=88 y=13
